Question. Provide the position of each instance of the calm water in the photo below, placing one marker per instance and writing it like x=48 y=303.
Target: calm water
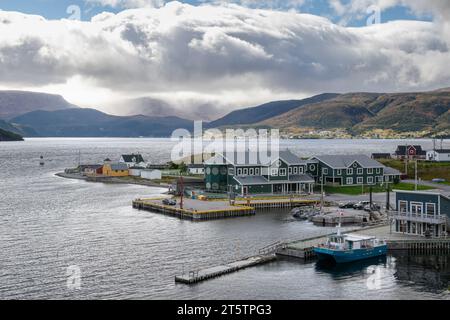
x=48 y=224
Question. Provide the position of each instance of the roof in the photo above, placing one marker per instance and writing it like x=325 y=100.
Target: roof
x=119 y=166
x=345 y=161
x=255 y=158
x=196 y=166
x=357 y=237
x=136 y=158
x=90 y=166
x=388 y=171
x=426 y=192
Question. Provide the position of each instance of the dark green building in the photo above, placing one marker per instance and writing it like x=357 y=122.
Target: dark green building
x=350 y=170
x=248 y=173
x=419 y=212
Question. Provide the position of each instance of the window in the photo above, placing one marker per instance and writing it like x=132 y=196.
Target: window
x=360 y=171
x=290 y=170
x=282 y=172
x=403 y=206
x=378 y=170
x=256 y=171
x=349 y=171
x=416 y=208
x=339 y=172
x=245 y=172
x=252 y=171
x=274 y=172
x=431 y=209
x=370 y=180
x=380 y=179
x=360 y=180
x=231 y=171
x=325 y=171
x=301 y=170
x=239 y=171
x=312 y=167
x=295 y=170
x=349 y=180
x=370 y=171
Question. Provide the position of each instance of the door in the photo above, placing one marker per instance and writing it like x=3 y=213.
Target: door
x=416 y=208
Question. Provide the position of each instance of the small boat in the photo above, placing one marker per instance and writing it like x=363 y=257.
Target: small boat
x=347 y=248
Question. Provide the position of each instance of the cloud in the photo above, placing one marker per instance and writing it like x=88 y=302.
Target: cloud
x=127 y=3
x=223 y=53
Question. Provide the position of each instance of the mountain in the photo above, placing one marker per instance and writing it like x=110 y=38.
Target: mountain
x=15 y=103
x=9 y=136
x=266 y=111
x=362 y=112
x=93 y=123
x=17 y=129
x=192 y=110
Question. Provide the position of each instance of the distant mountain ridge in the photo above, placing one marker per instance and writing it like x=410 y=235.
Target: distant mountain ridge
x=15 y=103
x=360 y=112
x=266 y=111
x=93 y=123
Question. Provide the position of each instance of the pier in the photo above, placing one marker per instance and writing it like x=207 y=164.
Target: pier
x=303 y=249
x=214 y=272
x=199 y=210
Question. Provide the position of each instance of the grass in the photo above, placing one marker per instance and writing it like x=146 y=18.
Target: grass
x=426 y=170
x=358 y=190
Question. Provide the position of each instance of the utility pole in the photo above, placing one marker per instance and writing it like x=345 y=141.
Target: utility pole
x=182 y=192
x=415 y=175
x=321 y=194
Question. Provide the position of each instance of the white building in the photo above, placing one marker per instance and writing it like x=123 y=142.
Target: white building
x=151 y=174
x=442 y=155
x=197 y=169
x=132 y=160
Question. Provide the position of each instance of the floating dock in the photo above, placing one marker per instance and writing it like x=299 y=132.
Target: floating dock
x=214 y=272
x=208 y=210
x=303 y=249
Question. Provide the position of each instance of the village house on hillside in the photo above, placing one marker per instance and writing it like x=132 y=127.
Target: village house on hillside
x=441 y=155
x=132 y=160
x=242 y=174
x=350 y=170
x=422 y=213
x=410 y=152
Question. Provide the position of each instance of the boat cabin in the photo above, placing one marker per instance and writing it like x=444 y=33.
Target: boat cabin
x=352 y=242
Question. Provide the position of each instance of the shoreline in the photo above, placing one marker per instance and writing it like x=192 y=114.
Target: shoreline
x=112 y=180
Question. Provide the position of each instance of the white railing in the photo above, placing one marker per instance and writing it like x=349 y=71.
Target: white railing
x=419 y=217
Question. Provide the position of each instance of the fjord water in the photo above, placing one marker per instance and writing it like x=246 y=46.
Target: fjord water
x=49 y=224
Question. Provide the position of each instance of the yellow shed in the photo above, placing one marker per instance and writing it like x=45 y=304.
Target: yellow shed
x=115 y=169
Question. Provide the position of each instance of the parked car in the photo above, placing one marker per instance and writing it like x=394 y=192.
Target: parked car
x=347 y=205
x=375 y=207
x=169 y=202
x=438 y=180
x=360 y=205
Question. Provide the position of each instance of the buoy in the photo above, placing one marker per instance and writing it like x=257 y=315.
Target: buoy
x=41 y=162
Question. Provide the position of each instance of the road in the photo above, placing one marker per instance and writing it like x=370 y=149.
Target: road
x=440 y=186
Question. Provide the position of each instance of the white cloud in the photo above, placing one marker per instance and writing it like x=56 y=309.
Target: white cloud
x=127 y=3
x=228 y=53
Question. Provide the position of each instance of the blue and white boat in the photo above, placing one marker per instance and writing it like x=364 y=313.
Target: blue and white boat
x=347 y=248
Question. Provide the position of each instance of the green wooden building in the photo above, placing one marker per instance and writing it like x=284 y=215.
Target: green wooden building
x=247 y=173
x=422 y=212
x=350 y=170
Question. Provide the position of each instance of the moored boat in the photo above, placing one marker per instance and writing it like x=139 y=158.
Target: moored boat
x=348 y=248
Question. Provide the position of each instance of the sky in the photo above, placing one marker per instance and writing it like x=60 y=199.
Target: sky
x=230 y=54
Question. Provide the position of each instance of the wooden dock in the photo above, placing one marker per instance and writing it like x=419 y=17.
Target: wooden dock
x=420 y=245
x=208 y=273
x=193 y=214
x=208 y=210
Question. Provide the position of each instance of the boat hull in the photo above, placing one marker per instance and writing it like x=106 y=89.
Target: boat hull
x=350 y=255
